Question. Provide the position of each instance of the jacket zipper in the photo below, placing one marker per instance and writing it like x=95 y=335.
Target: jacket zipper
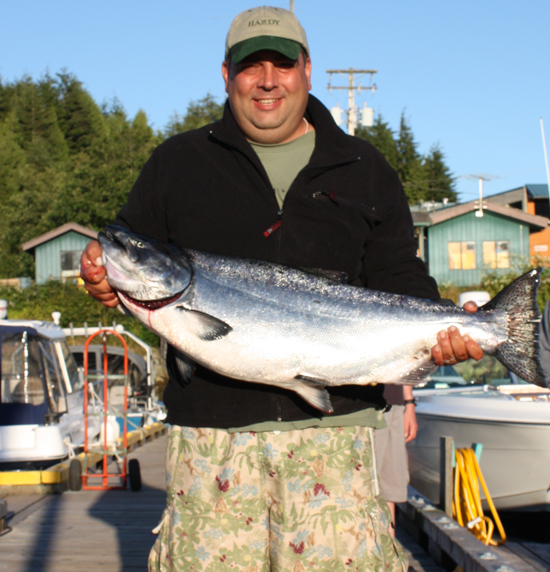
x=337 y=201
x=276 y=224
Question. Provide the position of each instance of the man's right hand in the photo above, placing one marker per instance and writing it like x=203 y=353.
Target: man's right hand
x=93 y=273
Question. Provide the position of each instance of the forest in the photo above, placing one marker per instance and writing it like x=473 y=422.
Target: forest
x=66 y=158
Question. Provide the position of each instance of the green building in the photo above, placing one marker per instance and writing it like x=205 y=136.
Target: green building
x=57 y=253
x=459 y=243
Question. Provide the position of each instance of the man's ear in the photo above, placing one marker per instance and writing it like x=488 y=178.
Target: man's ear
x=307 y=69
x=225 y=73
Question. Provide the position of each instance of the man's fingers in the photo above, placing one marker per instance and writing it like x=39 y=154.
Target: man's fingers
x=470 y=307
x=443 y=353
x=453 y=348
x=458 y=347
x=473 y=349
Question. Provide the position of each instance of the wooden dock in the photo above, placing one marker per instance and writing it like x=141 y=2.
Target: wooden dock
x=105 y=530
x=111 y=530
x=88 y=530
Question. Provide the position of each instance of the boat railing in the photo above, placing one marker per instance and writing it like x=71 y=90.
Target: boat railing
x=87 y=331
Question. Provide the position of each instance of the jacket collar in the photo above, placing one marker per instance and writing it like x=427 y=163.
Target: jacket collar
x=332 y=145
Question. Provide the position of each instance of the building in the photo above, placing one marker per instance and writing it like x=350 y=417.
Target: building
x=460 y=243
x=57 y=253
x=532 y=199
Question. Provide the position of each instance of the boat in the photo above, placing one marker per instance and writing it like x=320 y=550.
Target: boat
x=41 y=396
x=144 y=407
x=483 y=403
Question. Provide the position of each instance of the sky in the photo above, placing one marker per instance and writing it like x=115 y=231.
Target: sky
x=471 y=76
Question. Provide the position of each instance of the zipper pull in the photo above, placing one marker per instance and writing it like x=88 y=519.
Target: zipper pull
x=275 y=225
x=328 y=194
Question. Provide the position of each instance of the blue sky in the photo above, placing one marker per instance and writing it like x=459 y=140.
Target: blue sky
x=469 y=75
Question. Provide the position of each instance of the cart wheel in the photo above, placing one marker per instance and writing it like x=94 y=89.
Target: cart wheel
x=75 y=475
x=134 y=473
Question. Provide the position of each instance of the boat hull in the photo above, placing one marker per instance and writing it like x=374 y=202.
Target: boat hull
x=515 y=458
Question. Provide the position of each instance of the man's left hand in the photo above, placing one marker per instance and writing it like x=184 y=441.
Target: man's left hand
x=409 y=422
x=452 y=347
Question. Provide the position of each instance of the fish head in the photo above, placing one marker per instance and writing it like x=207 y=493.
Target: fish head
x=145 y=272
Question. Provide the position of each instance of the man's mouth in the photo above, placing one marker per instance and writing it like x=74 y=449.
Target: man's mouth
x=267 y=103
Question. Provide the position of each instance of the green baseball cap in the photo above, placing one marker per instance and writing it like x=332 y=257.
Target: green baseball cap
x=265 y=28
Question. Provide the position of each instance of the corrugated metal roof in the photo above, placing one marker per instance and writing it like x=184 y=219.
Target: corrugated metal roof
x=537 y=191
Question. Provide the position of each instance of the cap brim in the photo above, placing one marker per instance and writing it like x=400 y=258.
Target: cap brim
x=288 y=48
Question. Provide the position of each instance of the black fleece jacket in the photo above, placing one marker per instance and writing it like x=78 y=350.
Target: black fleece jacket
x=345 y=211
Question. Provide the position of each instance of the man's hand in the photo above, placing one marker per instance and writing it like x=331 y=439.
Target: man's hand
x=409 y=415
x=94 y=276
x=452 y=347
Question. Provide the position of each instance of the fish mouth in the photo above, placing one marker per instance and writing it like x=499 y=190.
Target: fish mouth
x=152 y=304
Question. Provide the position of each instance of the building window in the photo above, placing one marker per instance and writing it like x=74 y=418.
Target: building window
x=496 y=254
x=70 y=263
x=462 y=255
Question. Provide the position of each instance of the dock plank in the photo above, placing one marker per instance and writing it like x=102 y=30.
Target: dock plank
x=111 y=529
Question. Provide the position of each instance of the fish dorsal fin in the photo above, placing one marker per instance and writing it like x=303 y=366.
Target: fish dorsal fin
x=206 y=327
x=313 y=391
x=334 y=275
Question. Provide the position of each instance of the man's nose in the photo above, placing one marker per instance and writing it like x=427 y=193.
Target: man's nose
x=268 y=79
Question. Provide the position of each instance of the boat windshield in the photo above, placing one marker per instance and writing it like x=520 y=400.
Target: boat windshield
x=21 y=371
x=74 y=381
x=487 y=371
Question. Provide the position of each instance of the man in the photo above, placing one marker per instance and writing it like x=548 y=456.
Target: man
x=389 y=443
x=257 y=479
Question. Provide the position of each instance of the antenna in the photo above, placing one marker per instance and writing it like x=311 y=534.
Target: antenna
x=481 y=178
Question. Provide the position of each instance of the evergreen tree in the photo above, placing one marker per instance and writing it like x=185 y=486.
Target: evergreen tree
x=382 y=137
x=37 y=126
x=80 y=118
x=12 y=158
x=423 y=178
x=409 y=162
x=438 y=181
x=199 y=113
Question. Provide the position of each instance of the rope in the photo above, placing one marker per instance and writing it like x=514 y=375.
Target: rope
x=467 y=508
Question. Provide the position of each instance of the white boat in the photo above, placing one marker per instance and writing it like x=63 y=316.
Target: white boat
x=41 y=396
x=511 y=419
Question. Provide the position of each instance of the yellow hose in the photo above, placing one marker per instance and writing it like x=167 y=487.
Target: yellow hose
x=467 y=508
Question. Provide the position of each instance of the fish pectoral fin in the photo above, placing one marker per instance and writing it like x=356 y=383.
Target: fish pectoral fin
x=420 y=373
x=313 y=391
x=204 y=326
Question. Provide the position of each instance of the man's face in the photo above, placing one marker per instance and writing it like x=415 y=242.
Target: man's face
x=268 y=95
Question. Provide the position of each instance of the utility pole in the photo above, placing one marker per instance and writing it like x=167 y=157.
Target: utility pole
x=366 y=118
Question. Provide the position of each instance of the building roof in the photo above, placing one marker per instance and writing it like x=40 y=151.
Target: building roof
x=509 y=212
x=534 y=191
x=70 y=226
x=537 y=191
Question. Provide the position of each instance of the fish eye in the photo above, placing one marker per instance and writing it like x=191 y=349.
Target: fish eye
x=139 y=244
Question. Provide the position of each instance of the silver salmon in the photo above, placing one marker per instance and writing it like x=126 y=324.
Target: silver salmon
x=266 y=323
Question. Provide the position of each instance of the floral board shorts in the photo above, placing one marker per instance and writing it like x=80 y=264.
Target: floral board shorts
x=290 y=501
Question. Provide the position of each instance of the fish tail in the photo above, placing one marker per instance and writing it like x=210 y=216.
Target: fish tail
x=520 y=353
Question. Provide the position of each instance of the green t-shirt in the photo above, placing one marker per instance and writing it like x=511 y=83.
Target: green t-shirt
x=284 y=161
